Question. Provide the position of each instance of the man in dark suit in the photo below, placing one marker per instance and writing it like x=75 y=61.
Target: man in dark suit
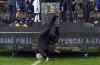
x=46 y=38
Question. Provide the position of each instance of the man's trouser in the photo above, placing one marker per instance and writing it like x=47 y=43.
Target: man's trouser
x=86 y=11
x=12 y=13
x=67 y=6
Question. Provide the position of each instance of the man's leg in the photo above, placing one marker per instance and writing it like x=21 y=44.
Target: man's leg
x=69 y=4
x=39 y=50
x=17 y=18
x=36 y=18
x=14 y=13
x=24 y=14
x=64 y=5
x=74 y=12
x=18 y=13
x=10 y=13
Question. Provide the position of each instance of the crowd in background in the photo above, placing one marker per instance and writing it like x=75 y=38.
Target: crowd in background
x=21 y=11
x=24 y=11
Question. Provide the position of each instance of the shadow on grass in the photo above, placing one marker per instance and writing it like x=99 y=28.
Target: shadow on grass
x=5 y=53
x=74 y=55
x=23 y=54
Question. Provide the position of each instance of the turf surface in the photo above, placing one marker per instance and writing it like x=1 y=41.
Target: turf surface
x=55 y=59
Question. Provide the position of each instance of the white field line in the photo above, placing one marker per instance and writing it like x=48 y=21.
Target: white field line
x=37 y=62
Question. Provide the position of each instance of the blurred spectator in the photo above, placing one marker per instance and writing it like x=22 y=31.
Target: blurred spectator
x=86 y=10
x=67 y=16
x=21 y=14
x=30 y=9
x=92 y=4
x=12 y=10
x=61 y=9
x=69 y=5
x=3 y=6
x=36 y=4
x=97 y=9
x=74 y=12
x=98 y=4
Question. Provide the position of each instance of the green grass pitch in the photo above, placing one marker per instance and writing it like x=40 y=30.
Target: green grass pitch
x=60 y=59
